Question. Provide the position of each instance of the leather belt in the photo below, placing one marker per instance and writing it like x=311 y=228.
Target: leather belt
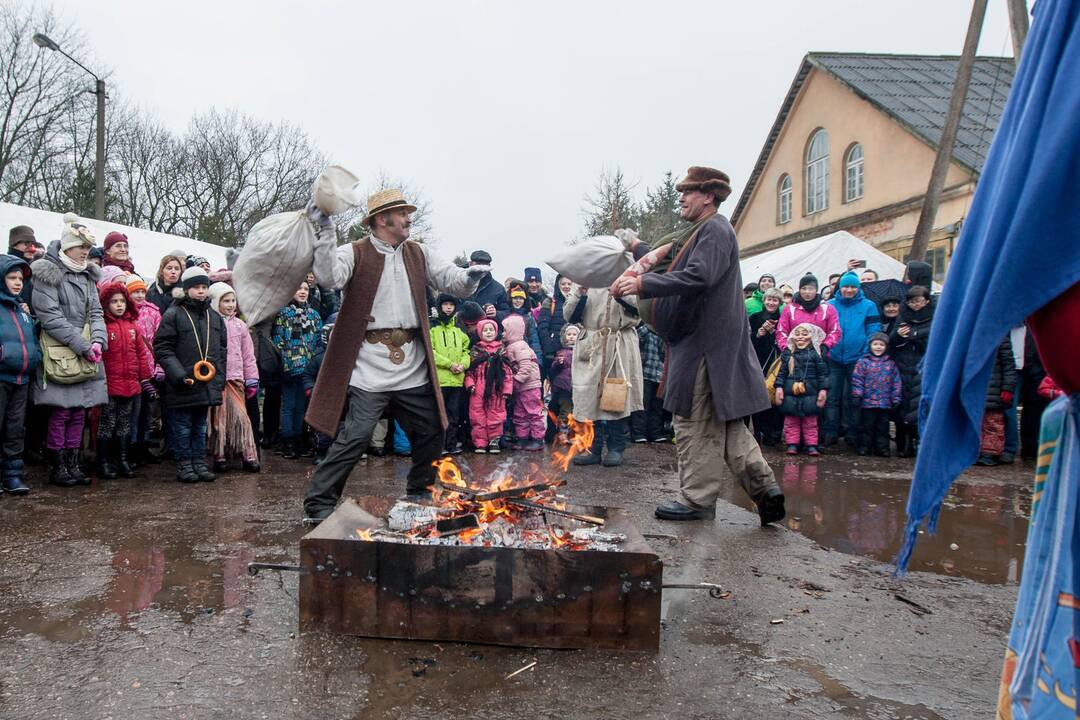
x=394 y=339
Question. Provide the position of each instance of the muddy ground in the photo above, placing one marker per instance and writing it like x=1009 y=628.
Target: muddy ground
x=130 y=599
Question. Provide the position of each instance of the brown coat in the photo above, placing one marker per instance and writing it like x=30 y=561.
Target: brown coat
x=331 y=388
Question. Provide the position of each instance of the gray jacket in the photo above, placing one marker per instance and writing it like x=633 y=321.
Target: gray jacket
x=59 y=301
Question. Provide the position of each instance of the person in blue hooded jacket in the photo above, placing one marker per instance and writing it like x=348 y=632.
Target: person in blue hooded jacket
x=859 y=319
x=19 y=358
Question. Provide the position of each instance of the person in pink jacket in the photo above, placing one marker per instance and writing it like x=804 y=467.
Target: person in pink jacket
x=807 y=307
x=230 y=426
x=144 y=411
x=529 y=419
x=489 y=382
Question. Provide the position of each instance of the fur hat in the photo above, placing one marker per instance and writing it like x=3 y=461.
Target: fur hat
x=706 y=179
x=135 y=282
x=75 y=233
x=808 y=279
x=193 y=276
x=446 y=298
x=113 y=238
x=20 y=234
x=217 y=291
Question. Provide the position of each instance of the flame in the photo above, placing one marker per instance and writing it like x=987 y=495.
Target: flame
x=561 y=539
x=448 y=471
x=365 y=535
x=579 y=440
x=467 y=536
x=490 y=510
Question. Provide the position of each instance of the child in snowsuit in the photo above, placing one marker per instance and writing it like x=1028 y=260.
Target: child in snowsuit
x=148 y=320
x=802 y=387
x=529 y=424
x=128 y=369
x=450 y=345
x=191 y=336
x=875 y=385
x=297 y=334
x=999 y=395
x=562 y=378
x=230 y=427
x=489 y=381
x=21 y=356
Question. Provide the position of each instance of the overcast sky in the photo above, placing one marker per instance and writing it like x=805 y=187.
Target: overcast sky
x=505 y=113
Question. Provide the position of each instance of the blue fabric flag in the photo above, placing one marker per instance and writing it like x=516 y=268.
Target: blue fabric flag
x=1019 y=249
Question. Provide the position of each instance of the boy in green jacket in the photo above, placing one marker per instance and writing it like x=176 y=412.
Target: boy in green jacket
x=451 y=347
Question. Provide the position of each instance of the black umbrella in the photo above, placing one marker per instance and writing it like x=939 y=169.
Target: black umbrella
x=881 y=290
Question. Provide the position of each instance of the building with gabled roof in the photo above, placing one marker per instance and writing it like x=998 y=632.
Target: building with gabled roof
x=853 y=146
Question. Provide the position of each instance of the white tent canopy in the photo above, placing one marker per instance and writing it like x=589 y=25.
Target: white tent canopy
x=147 y=247
x=821 y=256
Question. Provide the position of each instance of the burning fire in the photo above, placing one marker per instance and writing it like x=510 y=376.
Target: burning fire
x=578 y=440
x=364 y=535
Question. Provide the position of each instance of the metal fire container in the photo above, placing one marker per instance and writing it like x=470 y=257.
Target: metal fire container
x=556 y=598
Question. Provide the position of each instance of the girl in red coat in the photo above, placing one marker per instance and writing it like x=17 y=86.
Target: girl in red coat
x=127 y=372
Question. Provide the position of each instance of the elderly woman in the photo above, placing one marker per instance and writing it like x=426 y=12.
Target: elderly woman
x=607 y=348
x=168 y=278
x=65 y=301
x=117 y=252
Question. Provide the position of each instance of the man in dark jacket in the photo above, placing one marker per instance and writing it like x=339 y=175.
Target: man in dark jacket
x=489 y=295
x=713 y=378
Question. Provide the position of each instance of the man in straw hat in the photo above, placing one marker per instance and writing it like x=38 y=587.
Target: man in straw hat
x=713 y=379
x=380 y=355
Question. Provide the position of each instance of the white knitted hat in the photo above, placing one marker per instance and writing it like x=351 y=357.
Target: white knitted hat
x=75 y=233
x=217 y=291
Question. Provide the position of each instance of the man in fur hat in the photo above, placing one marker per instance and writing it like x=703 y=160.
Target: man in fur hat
x=713 y=378
x=380 y=355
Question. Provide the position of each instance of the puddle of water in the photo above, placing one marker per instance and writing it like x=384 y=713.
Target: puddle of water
x=856 y=505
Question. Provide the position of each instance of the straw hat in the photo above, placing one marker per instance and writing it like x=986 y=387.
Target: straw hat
x=385 y=200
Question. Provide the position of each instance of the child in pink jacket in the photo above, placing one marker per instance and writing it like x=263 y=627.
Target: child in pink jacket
x=808 y=307
x=529 y=418
x=489 y=382
x=230 y=426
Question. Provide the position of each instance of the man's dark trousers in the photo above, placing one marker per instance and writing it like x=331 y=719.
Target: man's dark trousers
x=417 y=412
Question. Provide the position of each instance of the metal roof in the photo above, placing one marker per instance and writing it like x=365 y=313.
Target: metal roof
x=914 y=90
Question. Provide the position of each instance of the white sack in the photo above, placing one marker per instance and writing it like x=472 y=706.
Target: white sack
x=276 y=258
x=595 y=262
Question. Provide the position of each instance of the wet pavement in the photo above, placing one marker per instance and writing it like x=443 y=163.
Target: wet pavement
x=130 y=599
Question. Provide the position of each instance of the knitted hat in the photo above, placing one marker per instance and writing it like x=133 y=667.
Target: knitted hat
x=850 y=279
x=110 y=275
x=484 y=323
x=470 y=312
x=767 y=275
x=518 y=293
x=196 y=260
x=20 y=234
x=217 y=291
x=113 y=238
x=96 y=252
x=878 y=336
x=75 y=234
x=193 y=276
x=808 y=279
x=532 y=273
x=134 y=282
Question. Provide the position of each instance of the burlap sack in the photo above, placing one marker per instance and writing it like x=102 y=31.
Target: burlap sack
x=595 y=262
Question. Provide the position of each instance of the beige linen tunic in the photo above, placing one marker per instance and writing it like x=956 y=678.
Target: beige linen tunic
x=608 y=338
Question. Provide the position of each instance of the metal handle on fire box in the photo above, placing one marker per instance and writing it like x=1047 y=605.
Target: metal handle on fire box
x=715 y=590
x=255 y=567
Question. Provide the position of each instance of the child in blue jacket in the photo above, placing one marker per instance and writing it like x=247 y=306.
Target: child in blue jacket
x=19 y=358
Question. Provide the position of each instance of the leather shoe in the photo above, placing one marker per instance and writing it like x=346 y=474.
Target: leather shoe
x=771 y=507
x=674 y=510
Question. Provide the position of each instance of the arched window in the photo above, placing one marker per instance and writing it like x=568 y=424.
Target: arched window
x=853 y=173
x=783 y=199
x=817 y=172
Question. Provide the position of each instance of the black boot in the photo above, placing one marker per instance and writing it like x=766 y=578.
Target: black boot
x=185 y=473
x=58 y=470
x=771 y=507
x=13 y=477
x=289 y=448
x=202 y=471
x=74 y=467
x=592 y=456
x=618 y=435
x=106 y=468
x=123 y=468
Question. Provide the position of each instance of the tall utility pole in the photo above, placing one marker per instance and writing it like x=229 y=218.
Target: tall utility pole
x=1018 y=24
x=948 y=133
x=43 y=41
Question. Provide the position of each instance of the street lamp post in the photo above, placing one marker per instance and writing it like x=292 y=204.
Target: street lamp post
x=43 y=41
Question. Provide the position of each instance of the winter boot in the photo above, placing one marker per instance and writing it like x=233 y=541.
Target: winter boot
x=202 y=471
x=74 y=467
x=592 y=455
x=185 y=473
x=252 y=466
x=13 y=477
x=221 y=465
x=124 y=468
x=106 y=467
x=289 y=448
x=58 y=469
